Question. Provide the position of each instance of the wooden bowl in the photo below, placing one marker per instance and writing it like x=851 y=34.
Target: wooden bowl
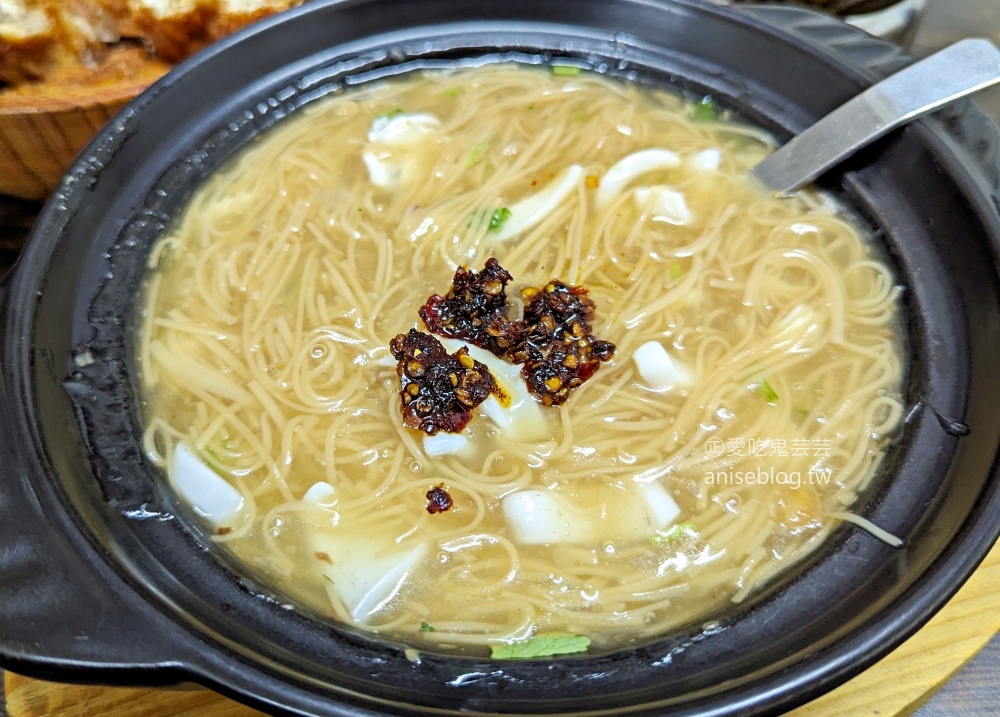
x=43 y=127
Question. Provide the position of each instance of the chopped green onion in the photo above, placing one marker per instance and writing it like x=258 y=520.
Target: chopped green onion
x=675 y=270
x=427 y=627
x=767 y=392
x=704 y=110
x=540 y=646
x=681 y=530
x=453 y=92
x=566 y=70
x=498 y=218
x=477 y=153
x=390 y=114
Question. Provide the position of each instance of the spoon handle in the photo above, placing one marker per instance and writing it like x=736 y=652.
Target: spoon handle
x=958 y=70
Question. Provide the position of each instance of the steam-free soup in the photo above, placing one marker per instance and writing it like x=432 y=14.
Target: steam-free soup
x=753 y=389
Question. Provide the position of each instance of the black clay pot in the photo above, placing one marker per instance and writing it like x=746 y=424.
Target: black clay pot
x=100 y=582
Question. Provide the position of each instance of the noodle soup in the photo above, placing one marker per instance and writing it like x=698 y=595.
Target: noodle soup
x=754 y=386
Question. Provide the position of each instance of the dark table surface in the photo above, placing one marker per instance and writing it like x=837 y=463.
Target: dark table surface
x=975 y=690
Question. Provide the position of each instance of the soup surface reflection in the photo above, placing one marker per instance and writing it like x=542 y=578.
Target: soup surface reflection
x=752 y=392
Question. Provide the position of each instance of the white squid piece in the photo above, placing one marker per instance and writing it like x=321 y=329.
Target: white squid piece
x=538 y=516
x=383 y=170
x=658 y=369
x=661 y=509
x=524 y=418
x=630 y=168
x=532 y=210
x=663 y=204
x=445 y=444
x=364 y=574
x=203 y=490
x=322 y=494
x=707 y=160
x=387 y=168
x=402 y=128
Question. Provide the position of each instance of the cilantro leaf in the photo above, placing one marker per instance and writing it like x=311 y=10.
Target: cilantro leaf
x=498 y=218
x=427 y=627
x=704 y=110
x=541 y=646
x=767 y=392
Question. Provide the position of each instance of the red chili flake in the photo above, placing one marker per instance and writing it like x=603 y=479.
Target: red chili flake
x=559 y=352
x=553 y=341
x=438 y=500
x=556 y=311
x=475 y=310
x=438 y=389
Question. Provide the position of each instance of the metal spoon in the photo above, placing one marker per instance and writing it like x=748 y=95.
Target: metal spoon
x=956 y=71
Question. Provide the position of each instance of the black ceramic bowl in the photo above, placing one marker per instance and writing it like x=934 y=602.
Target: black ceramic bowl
x=99 y=581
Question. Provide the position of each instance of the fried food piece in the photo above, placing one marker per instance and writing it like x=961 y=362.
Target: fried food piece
x=41 y=39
